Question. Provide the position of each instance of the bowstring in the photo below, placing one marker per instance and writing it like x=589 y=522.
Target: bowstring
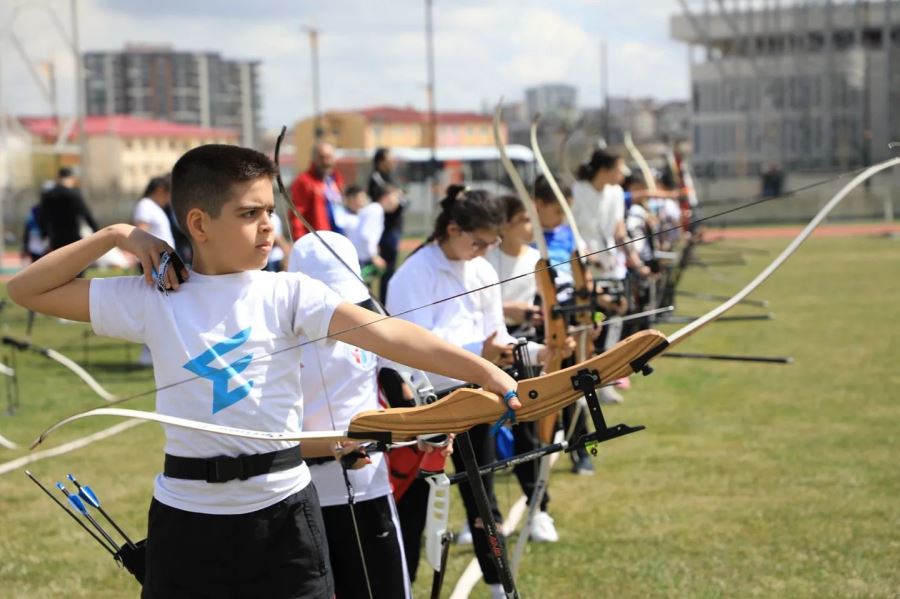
x=383 y=318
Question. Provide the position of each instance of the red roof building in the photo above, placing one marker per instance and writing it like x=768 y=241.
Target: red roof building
x=124 y=152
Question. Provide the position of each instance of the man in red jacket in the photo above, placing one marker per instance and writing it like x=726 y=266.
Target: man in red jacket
x=317 y=193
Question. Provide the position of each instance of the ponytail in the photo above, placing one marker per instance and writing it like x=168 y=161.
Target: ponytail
x=600 y=160
x=469 y=210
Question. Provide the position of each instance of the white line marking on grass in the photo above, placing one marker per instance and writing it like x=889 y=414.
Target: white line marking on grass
x=4 y=442
x=67 y=447
x=472 y=574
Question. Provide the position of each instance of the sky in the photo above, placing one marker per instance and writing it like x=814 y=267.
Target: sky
x=371 y=52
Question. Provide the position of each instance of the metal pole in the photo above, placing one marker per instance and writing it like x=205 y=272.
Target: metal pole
x=432 y=110
x=604 y=84
x=79 y=93
x=54 y=102
x=316 y=99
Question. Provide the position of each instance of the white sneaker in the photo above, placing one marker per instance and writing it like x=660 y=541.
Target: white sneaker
x=497 y=591
x=609 y=395
x=543 y=529
x=464 y=536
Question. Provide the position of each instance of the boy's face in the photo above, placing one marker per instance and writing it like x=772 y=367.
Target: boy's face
x=391 y=201
x=518 y=229
x=356 y=202
x=241 y=237
x=550 y=213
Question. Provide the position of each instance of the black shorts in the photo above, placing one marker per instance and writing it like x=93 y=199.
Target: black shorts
x=279 y=552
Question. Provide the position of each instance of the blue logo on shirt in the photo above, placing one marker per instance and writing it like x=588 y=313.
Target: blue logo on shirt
x=222 y=397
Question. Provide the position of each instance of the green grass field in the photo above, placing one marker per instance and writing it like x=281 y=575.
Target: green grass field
x=750 y=480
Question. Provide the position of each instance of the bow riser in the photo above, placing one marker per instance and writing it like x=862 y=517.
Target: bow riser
x=554 y=325
x=583 y=291
x=540 y=396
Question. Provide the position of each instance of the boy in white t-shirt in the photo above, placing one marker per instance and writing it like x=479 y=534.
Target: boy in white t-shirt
x=366 y=231
x=339 y=380
x=230 y=516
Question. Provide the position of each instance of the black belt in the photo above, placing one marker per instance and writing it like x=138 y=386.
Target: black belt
x=221 y=469
x=319 y=461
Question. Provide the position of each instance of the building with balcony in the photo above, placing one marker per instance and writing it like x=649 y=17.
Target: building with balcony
x=192 y=88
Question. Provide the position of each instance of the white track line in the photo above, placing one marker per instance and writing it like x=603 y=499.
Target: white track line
x=4 y=442
x=67 y=447
x=472 y=574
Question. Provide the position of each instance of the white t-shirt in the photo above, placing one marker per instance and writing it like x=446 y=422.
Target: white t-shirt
x=523 y=288
x=339 y=381
x=365 y=232
x=221 y=354
x=598 y=213
x=466 y=321
x=148 y=211
x=636 y=225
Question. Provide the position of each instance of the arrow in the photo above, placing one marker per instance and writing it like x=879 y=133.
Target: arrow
x=88 y=495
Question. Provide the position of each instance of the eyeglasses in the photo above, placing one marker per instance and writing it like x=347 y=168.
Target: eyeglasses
x=481 y=244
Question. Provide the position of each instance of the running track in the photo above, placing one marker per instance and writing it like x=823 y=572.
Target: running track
x=716 y=234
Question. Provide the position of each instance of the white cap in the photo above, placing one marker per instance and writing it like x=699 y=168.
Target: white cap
x=312 y=258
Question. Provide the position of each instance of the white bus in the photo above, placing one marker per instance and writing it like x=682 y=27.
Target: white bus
x=478 y=167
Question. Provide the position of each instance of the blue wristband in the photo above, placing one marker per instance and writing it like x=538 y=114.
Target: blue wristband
x=508 y=416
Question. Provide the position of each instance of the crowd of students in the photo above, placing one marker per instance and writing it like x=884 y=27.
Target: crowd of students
x=335 y=521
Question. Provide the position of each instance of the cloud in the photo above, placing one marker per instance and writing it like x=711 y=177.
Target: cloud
x=374 y=53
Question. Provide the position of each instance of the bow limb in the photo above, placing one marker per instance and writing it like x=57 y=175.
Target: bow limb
x=650 y=180
x=54 y=355
x=519 y=185
x=583 y=291
x=718 y=311
x=554 y=325
x=548 y=174
x=201 y=426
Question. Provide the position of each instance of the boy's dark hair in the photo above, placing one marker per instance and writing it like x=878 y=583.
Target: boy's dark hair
x=383 y=190
x=470 y=210
x=600 y=159
x=204 y=177
x=352 y=190
x=162 y=182
x=635 y=178
x=543 y=193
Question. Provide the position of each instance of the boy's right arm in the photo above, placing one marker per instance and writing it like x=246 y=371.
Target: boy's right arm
x=51 y=285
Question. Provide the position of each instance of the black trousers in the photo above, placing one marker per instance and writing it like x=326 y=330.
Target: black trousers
x=525 y=439
x=381 y=546
x=279 y=552
x=485 y=452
